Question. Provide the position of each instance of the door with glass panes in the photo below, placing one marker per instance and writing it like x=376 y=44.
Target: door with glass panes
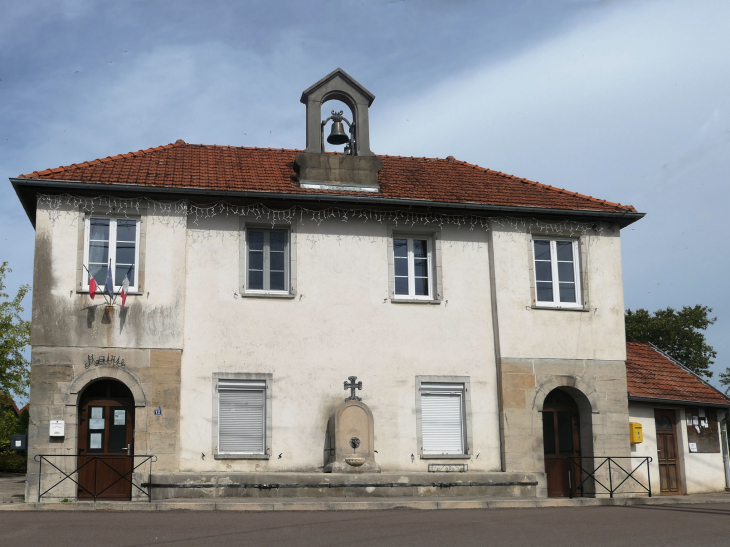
x=561 y=440
x=106 y=441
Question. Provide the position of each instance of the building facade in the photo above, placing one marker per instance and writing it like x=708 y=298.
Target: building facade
x=261 y=279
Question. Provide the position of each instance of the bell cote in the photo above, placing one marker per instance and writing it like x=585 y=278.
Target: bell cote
x=355 y=170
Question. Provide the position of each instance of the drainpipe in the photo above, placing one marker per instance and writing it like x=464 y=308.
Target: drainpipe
x=725 y=457
x=497 y=348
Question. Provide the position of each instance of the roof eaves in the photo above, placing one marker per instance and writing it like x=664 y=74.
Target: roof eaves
x=627 y=216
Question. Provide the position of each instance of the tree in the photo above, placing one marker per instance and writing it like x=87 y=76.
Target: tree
x=14 y=337
x=677 y=333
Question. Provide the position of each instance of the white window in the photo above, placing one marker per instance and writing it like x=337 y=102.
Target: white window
x=111 y=242
x=442 y=418
x=267 y=264
x=412 y=268
x=557 y=275
x=241 y=416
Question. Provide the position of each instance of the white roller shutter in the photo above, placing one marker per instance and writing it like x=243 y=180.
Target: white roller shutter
x=442 y=418
x=241 y=417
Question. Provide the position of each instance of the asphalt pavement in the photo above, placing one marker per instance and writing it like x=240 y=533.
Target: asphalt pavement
x=705 y=525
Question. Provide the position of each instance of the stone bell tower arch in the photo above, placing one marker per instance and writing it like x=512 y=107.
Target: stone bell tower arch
x=338 y=86
x=356 y=171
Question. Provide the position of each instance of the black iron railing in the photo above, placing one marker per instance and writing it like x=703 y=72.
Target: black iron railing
x=605 y=467
x=97 y=460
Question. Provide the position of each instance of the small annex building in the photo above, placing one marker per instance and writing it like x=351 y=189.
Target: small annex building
x=684 y=423
x=209 y=321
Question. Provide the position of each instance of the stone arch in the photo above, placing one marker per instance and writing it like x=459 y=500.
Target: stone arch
x=338 y=85
x=579 y=389
x=105 y=372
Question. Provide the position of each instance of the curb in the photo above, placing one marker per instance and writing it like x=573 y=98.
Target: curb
x=357 y=505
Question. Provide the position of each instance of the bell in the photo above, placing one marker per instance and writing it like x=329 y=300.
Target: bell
x=337 y=134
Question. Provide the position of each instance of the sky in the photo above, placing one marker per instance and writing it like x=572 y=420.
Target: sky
x=623 y=100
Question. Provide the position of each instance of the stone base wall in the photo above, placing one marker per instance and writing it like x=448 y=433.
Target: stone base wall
x=58 y=377
x=599 y=388
x=340 y=485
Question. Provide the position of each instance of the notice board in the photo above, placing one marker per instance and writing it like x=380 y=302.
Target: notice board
x=702 y=432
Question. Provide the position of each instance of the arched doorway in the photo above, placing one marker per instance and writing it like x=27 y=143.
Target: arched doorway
x=106 y=441
x=561 y=440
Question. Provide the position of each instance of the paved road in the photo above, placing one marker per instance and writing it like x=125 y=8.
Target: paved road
x=647 y=526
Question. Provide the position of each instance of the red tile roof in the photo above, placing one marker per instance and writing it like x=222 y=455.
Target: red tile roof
x=650 y=373
x=182 y=165
x=7 y=401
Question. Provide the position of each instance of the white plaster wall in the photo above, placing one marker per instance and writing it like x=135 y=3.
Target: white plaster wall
x=560 y=334
x=61 y=316
x=341 y=323
x=700 y=473
x=644 y=414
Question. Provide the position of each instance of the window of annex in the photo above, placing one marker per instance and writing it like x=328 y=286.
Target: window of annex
x=414 y=260
x=267 y=261
x=111 y=245
x=443 y=417
x=557 y=273
x=241 y=415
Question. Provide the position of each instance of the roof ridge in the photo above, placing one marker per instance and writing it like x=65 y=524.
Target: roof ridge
x=73 y=166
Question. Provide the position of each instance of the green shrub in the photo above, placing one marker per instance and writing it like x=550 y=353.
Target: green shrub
x=14 y=462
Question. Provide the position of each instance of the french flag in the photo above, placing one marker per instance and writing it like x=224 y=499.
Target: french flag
x=125 y=289
x=92 y=286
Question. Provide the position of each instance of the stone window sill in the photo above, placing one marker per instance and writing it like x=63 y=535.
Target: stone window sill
x=86 y=291
x=414 y=301
x=241 y=456
x=445 y=456
x=558 y=309
x=268 y=295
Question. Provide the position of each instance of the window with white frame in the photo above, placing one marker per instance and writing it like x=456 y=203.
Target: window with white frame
x=443 y=428
x=111 y=242
x=267 y=264
x=241 y=416
x=557 y=273
x=413 y=274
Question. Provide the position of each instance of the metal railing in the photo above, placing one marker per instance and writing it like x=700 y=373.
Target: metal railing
x=607 y=465
x=97 y=459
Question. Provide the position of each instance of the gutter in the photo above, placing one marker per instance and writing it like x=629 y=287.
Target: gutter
x=625 y=217
x=659 y=400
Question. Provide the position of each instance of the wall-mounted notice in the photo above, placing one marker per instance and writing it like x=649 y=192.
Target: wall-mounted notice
x=119 y=417
x=95 y=441
x=702 y=430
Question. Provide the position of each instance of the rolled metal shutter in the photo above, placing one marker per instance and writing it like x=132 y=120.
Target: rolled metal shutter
x=442 y=418
x=241 y=417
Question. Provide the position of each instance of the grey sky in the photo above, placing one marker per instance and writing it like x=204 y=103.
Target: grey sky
x=626 y=101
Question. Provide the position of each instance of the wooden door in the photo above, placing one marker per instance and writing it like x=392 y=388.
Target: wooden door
x=106 y=442
x=561 y=439
x=666 y=441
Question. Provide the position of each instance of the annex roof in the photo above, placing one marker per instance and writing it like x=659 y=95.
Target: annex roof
x=651 y=374
x=241 y=169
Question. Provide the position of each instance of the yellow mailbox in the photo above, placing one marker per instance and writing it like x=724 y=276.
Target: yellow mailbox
x=636 y=435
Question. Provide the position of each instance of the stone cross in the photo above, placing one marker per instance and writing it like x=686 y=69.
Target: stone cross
x=352 y=386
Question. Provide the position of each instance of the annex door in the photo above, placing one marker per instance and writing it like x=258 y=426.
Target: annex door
x=561 y=438
x=666 y=441
x=106 y=441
